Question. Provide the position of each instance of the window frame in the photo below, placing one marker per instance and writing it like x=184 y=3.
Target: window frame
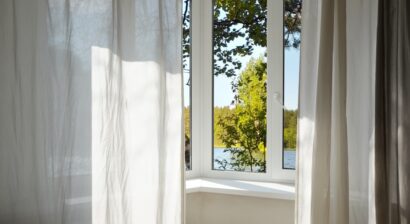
x=190 y=87
x=202 y=97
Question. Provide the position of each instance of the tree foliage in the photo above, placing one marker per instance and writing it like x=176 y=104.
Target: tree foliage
x=187 y=123
x=186 y=37
x=243 y=131
x=244 y=22
x=289 y=129
x=221 y=113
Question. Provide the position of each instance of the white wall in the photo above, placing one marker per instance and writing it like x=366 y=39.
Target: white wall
x=210 y=208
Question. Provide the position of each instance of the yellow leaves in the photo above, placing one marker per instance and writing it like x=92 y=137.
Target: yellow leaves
x=261 y=147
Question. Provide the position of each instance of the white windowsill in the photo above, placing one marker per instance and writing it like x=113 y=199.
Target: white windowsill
x=242 y=188
x=226 y=186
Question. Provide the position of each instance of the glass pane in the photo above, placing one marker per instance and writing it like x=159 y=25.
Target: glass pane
x=239 y=85
x=292 y=28
x=186 y=52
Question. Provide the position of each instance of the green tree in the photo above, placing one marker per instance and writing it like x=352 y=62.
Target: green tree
x=220 y=113
x=187 y=123
x=243 y=131
x=289 y=129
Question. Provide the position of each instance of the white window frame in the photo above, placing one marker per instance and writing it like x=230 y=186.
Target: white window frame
x=202 y=91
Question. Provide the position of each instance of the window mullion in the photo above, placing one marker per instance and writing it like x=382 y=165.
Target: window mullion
x=207 y=71
x=275 y=93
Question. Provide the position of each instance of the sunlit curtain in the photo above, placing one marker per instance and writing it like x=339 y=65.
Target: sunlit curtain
x=90 y=112
x=335 y=165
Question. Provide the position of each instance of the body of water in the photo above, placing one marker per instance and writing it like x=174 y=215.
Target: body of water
x=289 y=158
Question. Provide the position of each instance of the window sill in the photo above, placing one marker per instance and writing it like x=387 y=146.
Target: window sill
x=242 y=188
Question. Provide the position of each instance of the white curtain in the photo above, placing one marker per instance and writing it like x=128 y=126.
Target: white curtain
x=90 y=112
x=335 y=170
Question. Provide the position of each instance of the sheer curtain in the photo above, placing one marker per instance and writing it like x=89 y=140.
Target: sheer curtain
x=335 y=171
x=91 y=111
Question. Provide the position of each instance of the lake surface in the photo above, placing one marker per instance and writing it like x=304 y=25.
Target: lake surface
x=289 y=158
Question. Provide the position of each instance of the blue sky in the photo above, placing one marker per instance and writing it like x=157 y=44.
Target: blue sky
x=224 y=95
x=291 y=78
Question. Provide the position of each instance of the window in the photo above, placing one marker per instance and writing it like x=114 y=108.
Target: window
x=244 y=79
x=291 y=44
x=239 y=84
x=186 y=66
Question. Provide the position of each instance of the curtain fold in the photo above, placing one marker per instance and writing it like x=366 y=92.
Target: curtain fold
x=91 y=112
x=336 y=127
x=392 y=149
